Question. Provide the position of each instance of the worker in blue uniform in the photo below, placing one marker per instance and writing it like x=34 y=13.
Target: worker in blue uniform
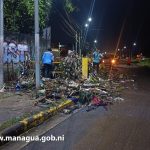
x=47 y=60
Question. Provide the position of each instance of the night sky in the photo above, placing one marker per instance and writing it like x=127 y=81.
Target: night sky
x=109 y=17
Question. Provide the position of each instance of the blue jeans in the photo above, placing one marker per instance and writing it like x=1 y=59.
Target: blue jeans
x=96 y=66
x=47 y=71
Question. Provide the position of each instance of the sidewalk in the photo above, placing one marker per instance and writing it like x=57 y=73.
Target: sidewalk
x=13 y=106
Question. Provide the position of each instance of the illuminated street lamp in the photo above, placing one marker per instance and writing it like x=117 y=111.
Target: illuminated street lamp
x=95 y=41
x=133 y=49
x=134 y=44
x=89 y=19
x=119 y=52
x=84 y=32
x=86 y=25
x=124 y=53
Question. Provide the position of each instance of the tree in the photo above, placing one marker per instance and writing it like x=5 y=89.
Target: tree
x=19 y=14
x=69 y=6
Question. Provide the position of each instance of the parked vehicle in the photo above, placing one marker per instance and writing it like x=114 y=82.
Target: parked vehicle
x=109 y=60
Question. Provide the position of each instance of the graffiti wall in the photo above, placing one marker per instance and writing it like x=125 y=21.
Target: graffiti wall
x=15 y=53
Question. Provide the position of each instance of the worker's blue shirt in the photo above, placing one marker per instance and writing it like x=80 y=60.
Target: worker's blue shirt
x=96 y=57
x=47 y=57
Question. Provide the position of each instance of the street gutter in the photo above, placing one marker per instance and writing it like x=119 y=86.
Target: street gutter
x=33 y=121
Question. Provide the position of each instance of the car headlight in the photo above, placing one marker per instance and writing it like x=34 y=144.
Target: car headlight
x=113 y=61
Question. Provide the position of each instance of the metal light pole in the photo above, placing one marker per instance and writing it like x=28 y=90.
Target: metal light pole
x=133 y=49
x=79 y=44
x=1 y=43
x=76 y=44
x=81 y=41
x=95 y=42
x=37 y=49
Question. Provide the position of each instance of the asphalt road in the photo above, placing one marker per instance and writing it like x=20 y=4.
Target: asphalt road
x=125 y=126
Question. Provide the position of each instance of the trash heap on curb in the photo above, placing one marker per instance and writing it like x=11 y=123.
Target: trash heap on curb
x=97 y=90
x=93 y=92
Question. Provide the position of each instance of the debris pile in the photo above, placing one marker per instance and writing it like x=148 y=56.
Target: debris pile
x=71 y=66
x=97 y=90
x=92 y=92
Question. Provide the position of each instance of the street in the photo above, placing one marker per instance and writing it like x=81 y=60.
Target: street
x=74 y=75
x=125 y=126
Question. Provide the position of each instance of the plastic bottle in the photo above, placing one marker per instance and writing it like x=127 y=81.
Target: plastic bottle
x=18 y=86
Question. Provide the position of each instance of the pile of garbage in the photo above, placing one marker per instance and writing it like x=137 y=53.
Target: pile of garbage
x=71 y=66
x=93 y=92
x=98 y=90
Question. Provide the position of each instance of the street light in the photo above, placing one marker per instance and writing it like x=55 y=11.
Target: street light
x=124 y=52
x=89 y=19
x=95 y=41
x=119 y=52
x=86 y=25
x=134 y=44
x=133 y=49
x=37 y=46
x=84 y=33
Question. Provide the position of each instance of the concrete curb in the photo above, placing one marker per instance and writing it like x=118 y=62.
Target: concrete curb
x=33 y=121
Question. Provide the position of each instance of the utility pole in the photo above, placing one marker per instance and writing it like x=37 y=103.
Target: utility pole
x=37 y=48
x=59 y=46
x=1 y=43
x=76 y=46
x=81 y=41
x=50 y=37
x=46 y=39
x=79 y=44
